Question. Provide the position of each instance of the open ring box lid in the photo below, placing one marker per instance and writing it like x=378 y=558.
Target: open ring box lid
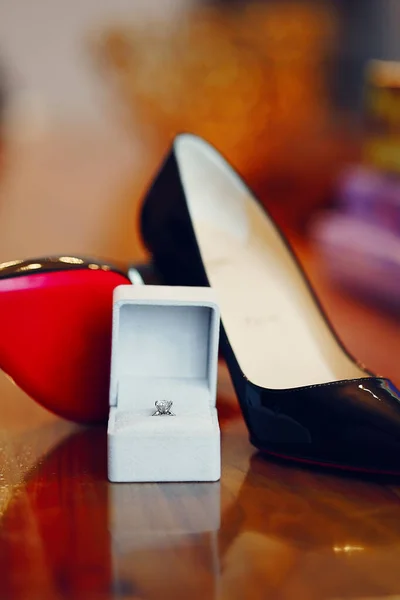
x=164 y=347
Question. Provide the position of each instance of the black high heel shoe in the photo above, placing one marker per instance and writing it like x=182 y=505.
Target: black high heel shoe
x=302 y=395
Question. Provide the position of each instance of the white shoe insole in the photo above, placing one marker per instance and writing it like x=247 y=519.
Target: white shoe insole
x=276 y=330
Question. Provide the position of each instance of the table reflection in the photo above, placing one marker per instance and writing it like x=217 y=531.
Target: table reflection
x=281 y=533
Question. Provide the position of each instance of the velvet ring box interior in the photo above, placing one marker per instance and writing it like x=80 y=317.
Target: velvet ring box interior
x=164 y=347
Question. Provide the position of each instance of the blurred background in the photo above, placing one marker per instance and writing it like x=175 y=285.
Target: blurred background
x=302 y=96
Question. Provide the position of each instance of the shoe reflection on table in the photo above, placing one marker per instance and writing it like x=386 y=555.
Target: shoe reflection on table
x=54 y=538
x=69 y=533
x=304 y=534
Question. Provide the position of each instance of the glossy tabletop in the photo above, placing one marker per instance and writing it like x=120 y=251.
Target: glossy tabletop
x=267 y=530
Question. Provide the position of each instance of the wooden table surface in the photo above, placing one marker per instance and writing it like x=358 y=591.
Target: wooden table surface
x=267 y=530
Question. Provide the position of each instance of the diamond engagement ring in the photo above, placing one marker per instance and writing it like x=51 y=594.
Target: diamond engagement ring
x=163 y=408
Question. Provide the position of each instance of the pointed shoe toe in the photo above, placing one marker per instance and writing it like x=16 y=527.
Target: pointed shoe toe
x=352 y=425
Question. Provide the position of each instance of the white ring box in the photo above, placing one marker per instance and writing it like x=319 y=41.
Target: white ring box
x=164 y=347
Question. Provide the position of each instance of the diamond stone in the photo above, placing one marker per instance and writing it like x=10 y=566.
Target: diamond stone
x=163 y=406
